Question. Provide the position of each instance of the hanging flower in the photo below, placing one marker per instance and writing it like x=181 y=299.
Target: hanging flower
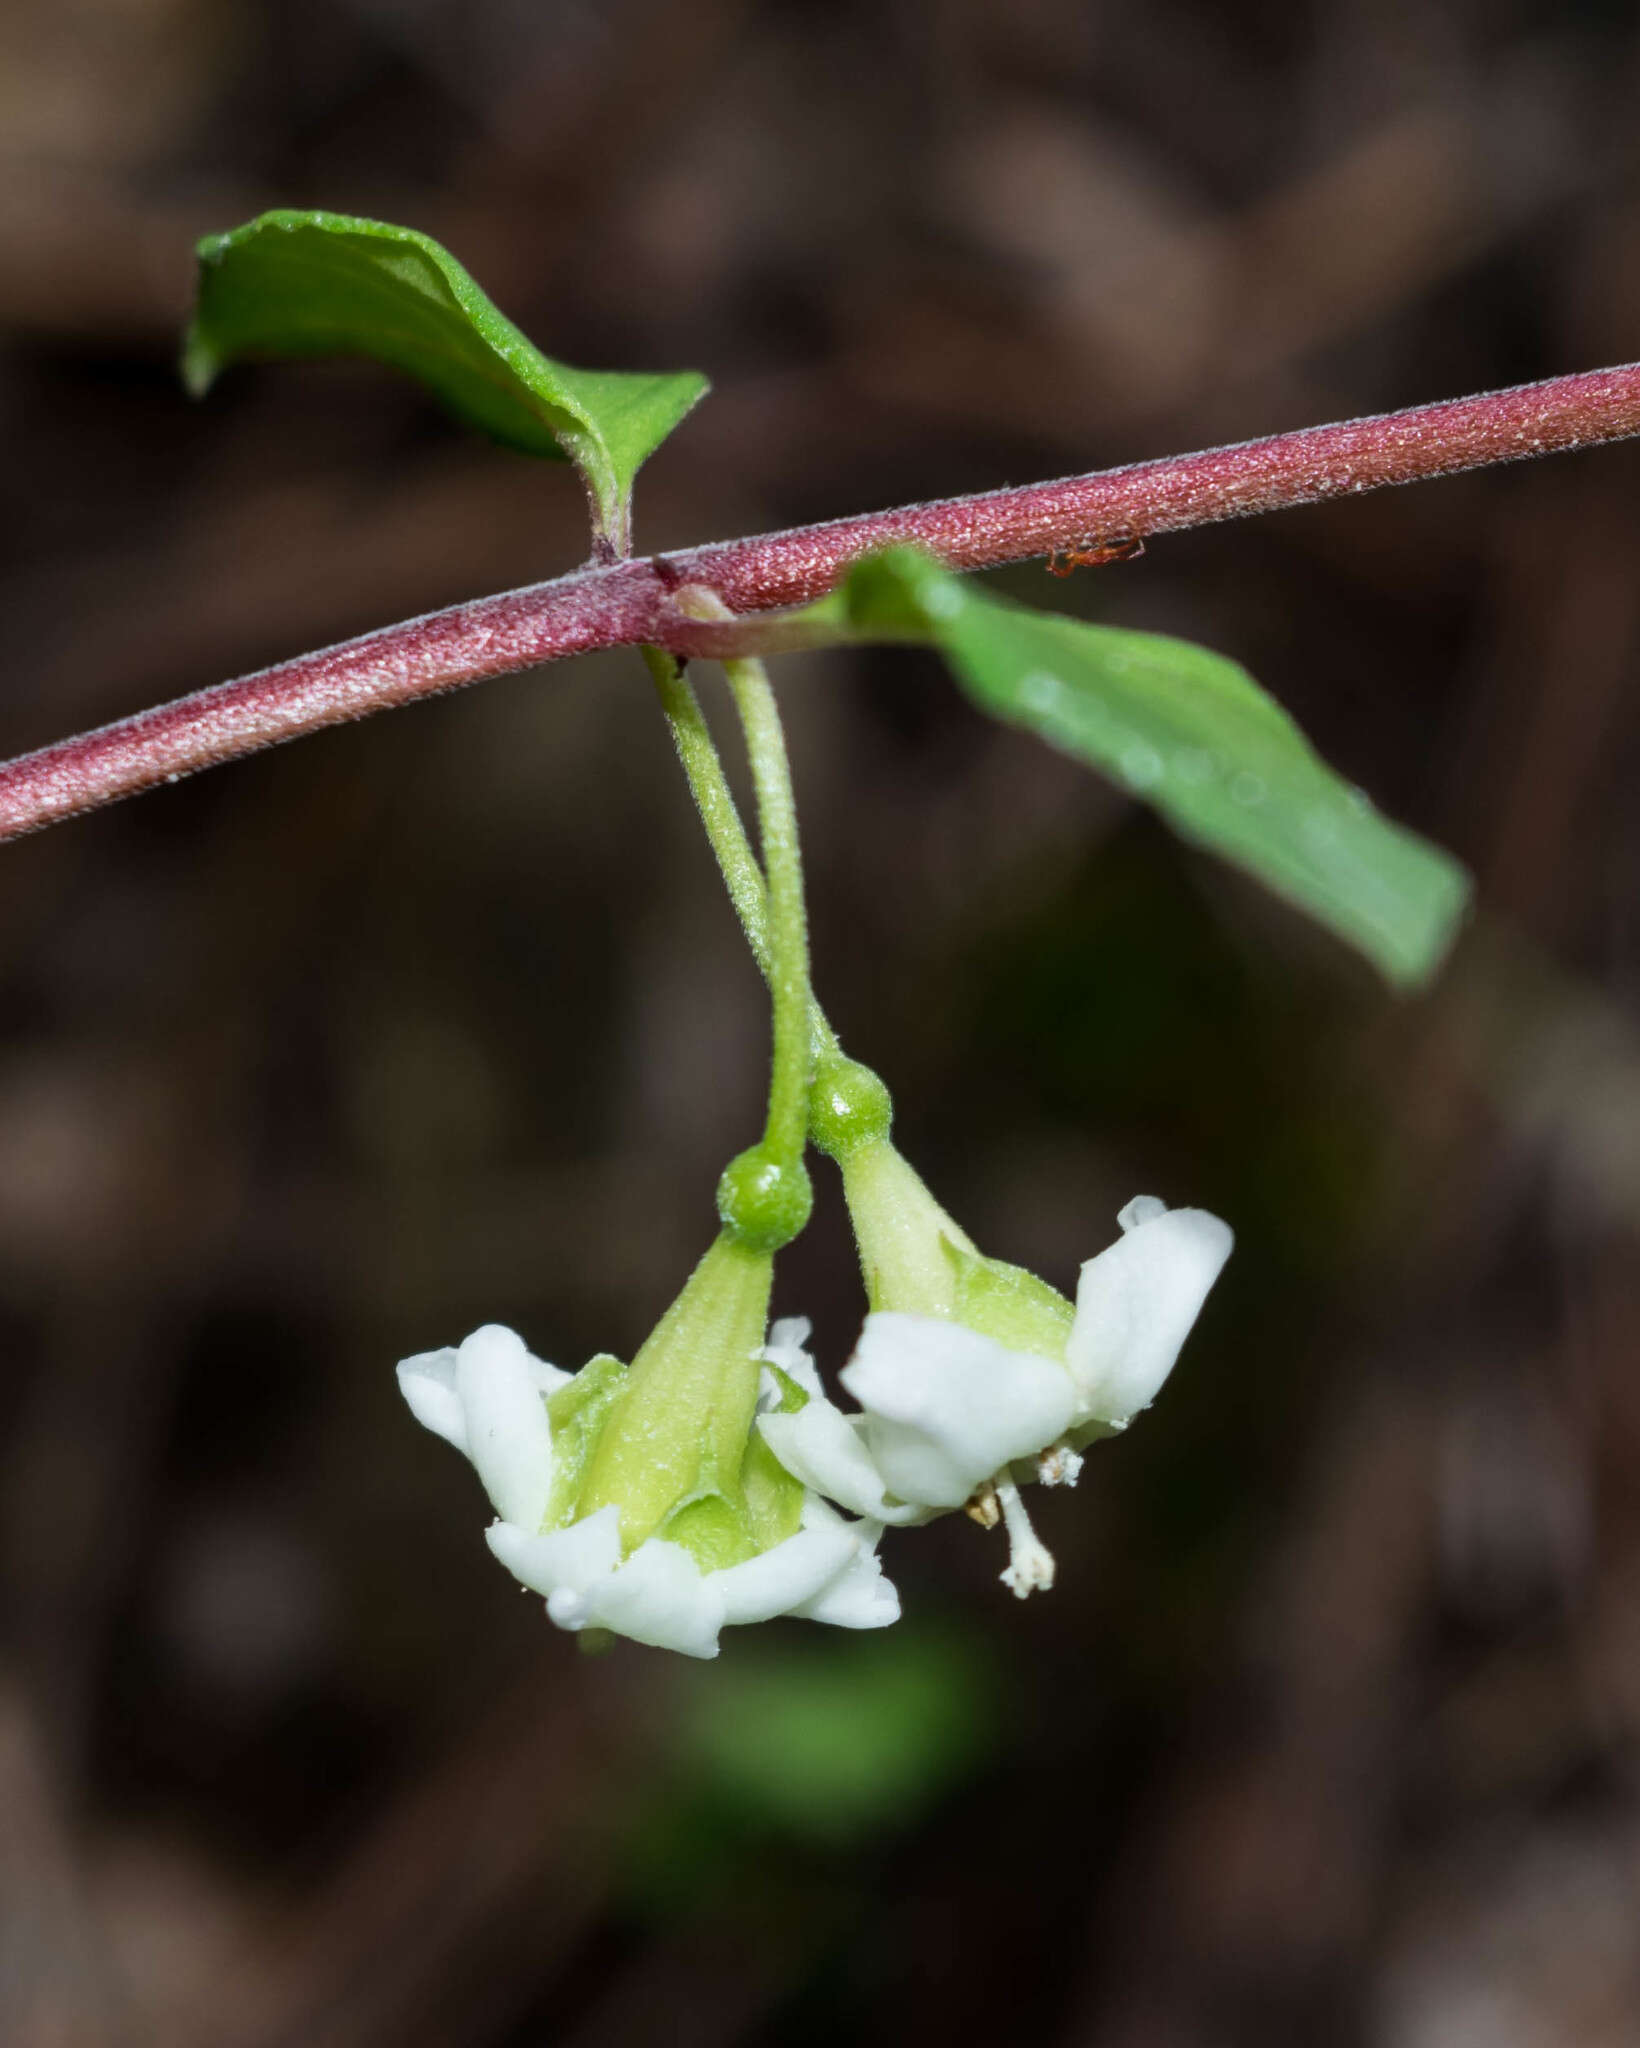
x=640 y=1500
x=972 y=1374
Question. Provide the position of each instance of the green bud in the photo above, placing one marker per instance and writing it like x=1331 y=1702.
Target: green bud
x=764 y=1201
x=848 y=1107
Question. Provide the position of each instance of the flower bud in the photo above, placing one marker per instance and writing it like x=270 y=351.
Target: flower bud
x=848 y=1107
x=764 y=1201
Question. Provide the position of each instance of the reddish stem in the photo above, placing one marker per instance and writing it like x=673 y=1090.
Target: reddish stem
x=631 y=602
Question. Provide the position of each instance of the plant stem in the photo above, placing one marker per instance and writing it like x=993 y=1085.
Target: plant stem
x=786 y=923
x=719 y=813
x=630 y=602
x=715 y=801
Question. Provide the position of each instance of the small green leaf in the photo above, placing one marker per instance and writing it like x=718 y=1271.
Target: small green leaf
x=1191 y=733
x=319 y=284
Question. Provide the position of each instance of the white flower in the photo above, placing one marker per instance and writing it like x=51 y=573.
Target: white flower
x=947 y=1412
x=488 y=1397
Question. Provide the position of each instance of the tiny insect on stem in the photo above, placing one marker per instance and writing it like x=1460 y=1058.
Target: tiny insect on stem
x=1094 y=554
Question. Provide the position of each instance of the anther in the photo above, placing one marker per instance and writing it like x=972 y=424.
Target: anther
x=1030 y=1562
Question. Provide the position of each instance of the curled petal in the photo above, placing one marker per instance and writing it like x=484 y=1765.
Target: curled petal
x=792 y=1573
x=947 y=1407
x=859 y=1596
x=508 y=1436
x=1136 y=1304
x=788 y=1347
x=826 y=1572
x=546 y=1379
x=564 y=1560
x=822 y=1446
x=428 y=1384
x=786 y=1350
x=659 y=1596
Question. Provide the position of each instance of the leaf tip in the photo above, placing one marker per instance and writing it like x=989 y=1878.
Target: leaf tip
x=1448 y=908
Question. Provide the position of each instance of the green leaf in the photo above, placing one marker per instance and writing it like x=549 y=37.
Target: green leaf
x=1191 y=733
x=319 y=284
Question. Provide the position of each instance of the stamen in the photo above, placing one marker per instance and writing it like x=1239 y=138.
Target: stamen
x=983 y=1507
x=1059 y=1465
x=1030 y=1562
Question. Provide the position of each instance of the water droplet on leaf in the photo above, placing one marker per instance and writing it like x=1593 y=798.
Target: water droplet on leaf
x=1040 y=691
x=1142 y=766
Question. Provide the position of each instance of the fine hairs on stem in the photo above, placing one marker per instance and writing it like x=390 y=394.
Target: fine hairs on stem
x=769 y=901
x=720 y=815
x=633 y=603
x=787 y=924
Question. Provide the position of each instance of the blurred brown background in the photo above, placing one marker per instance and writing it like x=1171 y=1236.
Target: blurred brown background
x=1331 y=1731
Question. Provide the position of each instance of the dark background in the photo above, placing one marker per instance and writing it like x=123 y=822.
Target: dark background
x=1331 y=1731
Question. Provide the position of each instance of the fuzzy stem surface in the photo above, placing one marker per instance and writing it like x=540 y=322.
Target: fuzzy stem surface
x=786 y=919
x=631 y=602
x=720 y=815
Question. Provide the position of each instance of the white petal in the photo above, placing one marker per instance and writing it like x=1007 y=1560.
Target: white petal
x=1142 y=1209
x=1135 y=1306
x=786 y=1577
x=569 y=1609
x=947 y=1407
x=428 y=1383
x=508 y=1436
x=659 y=1597
x=859 y=1596
x=546 y=1379
x=785 y=1350
x=569 y=1559
x=822 y=1447
x=789 y=1335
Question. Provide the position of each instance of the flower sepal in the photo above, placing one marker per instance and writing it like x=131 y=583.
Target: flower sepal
x=1009 y=1304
